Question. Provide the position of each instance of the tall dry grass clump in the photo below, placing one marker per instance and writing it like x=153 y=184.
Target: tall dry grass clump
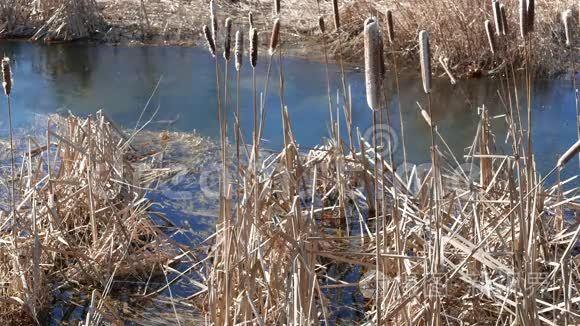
x=82 y=221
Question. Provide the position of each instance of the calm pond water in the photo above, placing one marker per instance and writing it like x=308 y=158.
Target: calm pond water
x=83 y=78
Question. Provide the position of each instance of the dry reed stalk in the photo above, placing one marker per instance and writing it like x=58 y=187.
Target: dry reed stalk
x=390 y=27
x=336 y=14
x=497 y=18
x=566 y=15
x=209 y=40
x=274 y=37
x=490 y=36
x=444 y=61
x=227 y=39
x=569 y=154
x=425 y=57
x=373 y=70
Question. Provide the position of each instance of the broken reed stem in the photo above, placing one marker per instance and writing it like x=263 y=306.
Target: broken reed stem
x=7 y=83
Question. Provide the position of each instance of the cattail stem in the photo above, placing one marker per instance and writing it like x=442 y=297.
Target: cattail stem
x=490 y=36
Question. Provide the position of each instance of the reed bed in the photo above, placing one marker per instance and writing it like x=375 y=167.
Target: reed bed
x=479 y=239
x=82 y=221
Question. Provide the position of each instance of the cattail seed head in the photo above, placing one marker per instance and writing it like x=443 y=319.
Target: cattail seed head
x=253 y=47
x=425 y=57
x=239 y=50
x=571 y=152
x=390 y=27
x=277 y=7
x=321 y=25
x=497 y=19
x=566 y=15
x=531 y=16
x=336 y=14
x=7 y=76
x=227 y=40
x=373 y=70
x=523 y=18
x=426 y=117
x=275 y=37
x=504 y=24
x=490 y=36
x=251 y=19
x=209 y=39
x=214 y=23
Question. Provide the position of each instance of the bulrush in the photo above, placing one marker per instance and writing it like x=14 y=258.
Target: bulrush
x=571 y=152
x=321 y=24
x=253 y=47
x=209 y=39
x=277 y=7
x=523 y=18
x=373 y=69
x=497 y=19
x=6 y=76
x=390 y=27
x=251 y=19
x=227 y=40
x=239 y=50
x=490 y=36
x=214 y=24
x=425 y=57
x=275 y=37
x=336 y=14
x=566 y=15
x=531 y=15
x=504 y=24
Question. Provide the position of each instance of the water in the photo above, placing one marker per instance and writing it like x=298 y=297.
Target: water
x=83 y=78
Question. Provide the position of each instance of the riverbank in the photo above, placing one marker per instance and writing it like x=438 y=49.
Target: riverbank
x=456 y=27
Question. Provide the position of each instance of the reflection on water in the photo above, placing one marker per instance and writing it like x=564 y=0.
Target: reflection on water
x=84 y=78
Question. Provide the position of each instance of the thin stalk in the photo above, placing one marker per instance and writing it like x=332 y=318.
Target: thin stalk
x=13 y=191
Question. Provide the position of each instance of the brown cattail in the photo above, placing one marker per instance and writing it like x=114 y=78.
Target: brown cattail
x=445 y=64
x=571 y=152
x=566 y=15
x=239 y=50
x=425 y=57
x=214 y=23
x=321 y=24
x=504 y=24
x=531 y=16
x=209 y=40
x=253 y=47
x=497 y=17
x=390 y=27
x=227 y=40
x=277 y=7
x=490 y=36
x=7 y=76
x=373 y=71
x=336 y=14
x=275 y=37
x=251 y=19
x=523 y=18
